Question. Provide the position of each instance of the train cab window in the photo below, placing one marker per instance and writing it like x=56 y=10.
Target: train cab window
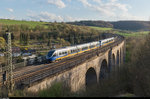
x=51 y=53
x=54 y=55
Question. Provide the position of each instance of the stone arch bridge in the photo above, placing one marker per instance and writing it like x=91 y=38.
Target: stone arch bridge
x=91 y=71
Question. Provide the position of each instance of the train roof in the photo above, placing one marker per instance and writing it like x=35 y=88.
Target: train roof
x=75 y=46
x=80 y=45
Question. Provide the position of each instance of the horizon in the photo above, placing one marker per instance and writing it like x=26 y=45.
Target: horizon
x=75 y=10
x=74 y=21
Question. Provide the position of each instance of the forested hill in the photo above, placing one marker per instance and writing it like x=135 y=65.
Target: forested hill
x=131 y=25
x=92 y=23
x=123 y=25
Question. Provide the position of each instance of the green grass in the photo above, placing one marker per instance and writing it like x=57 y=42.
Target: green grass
x=134 y=34
x=56 y=90
x=100 y=28
x=131 y=34
x=32 y=24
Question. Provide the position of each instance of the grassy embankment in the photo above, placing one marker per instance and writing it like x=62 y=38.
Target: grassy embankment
x=31 y=24
x=100 y=28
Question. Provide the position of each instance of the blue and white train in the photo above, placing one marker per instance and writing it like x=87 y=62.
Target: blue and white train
x=58 y=54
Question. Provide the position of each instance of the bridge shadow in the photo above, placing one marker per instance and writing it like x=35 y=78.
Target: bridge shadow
x=104 y=70
x=91 y=78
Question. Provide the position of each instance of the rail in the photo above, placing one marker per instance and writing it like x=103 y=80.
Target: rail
x=63 y=65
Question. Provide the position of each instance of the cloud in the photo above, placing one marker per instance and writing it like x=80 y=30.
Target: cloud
x=111 y=8
x=10 y=9
x=10 y=17
x=50 y=17
x=45 y=16
x=85 y=3
x=58 y=3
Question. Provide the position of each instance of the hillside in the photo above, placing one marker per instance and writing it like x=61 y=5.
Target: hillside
x=132 y=25
x=123 y=25
x=31 y=24
x=92 y=23
x=26 y=34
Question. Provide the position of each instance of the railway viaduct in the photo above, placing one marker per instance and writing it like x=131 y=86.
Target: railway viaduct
x=91 y=71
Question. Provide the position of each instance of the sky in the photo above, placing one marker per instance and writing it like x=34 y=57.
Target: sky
x=75 y=10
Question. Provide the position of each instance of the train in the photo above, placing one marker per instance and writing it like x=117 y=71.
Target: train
x=61 y=53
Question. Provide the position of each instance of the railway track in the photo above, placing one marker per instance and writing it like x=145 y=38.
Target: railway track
x=35 y=73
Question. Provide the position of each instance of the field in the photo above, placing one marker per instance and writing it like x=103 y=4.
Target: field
x=100 y=28
x=129 y=34
x=31 y=24
x=133 y=34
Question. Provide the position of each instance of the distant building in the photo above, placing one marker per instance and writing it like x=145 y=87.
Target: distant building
x=26 y=54
x=29 y=51
x=1 y=54
x=16 y=51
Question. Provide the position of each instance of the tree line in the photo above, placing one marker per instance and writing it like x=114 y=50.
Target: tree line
x=57 y=33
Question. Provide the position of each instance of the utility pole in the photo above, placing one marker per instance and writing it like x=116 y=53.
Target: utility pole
x=9 y=63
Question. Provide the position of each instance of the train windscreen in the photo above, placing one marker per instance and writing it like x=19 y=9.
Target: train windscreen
x=51 y=53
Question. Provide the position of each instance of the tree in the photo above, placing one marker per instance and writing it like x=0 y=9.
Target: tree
x=2 y=43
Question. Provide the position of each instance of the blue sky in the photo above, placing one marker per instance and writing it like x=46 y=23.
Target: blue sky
x=75 y=10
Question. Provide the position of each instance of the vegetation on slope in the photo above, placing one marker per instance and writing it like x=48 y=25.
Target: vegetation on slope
x=93 y=23
x=56 y=33
x=132 y=25
x=123 y=25
x=31 y=24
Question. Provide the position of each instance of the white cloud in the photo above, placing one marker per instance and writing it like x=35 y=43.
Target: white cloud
x=45 y=16
x=112 y=9
x=50 y=17
x=10 y=17
x=58 y=3
x=85 y=3
x=10 y=9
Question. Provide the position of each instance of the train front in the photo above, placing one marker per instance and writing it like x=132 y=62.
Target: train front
x=50 y=57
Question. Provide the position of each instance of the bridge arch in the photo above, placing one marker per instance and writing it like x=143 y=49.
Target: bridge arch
x=104 y=70
x=110 y=60
x=123 y=53
x=113 y=62
x=91 y=78
x=118 y=58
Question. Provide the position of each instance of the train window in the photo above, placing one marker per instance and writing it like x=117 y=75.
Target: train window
x=84 y=48
x=91 y=46
x=51 y=53
x=60 y=53
x=54 y=55
x=76 y=50
x=65 y=52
